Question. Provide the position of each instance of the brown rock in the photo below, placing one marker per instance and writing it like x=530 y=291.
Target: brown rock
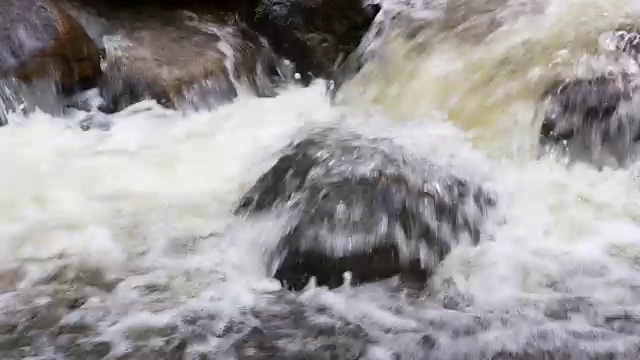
x=179 y=58
x=39 y=39
x=158 y=56
x=314 y=34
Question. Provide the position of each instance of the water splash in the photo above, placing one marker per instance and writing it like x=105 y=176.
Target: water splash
x=124 y=240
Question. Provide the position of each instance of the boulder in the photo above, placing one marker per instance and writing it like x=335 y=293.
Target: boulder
x=180 y=58
x=39 y=39
x=362 y=206
x=627 y=42
x=593 y=119
x=314 y=34
x=163 y=61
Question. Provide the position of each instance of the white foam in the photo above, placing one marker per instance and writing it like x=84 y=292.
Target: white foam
x=134 y=201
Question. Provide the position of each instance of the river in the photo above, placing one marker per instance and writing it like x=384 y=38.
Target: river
x=136 y=222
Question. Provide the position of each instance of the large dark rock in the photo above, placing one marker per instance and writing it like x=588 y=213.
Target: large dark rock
x=39 y=39
x=361 y=205
x=593 y=119
x=597 y=119
x=314 y=34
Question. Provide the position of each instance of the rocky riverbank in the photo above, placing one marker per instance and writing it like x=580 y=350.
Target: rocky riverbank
x=180 y=54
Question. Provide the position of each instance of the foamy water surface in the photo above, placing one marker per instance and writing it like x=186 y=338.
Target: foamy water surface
x=137 y=220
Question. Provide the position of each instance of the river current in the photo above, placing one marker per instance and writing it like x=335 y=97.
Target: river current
x=134 y=219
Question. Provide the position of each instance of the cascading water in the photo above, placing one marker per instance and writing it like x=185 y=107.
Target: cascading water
x=124 y=243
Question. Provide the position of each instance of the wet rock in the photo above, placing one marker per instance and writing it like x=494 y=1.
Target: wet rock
x=333 y=342
x=623 y=322
x=256 y=345
x=8 y=342
x=593 y=119
x=427 y=342
x=315 y=35
x=34 y=319
x=42 y=319
x=144 y=334
x=7 y=328
x=180 y=58
x=79 y=348
x=150 y=57
x=95 y=26
x=10 y=278
x=81 y=277
x=362 y=206
x=367 y=51
x=627 y=42
x=171 y=349
x=296 y=332
x=38 y=39
x=75 y=328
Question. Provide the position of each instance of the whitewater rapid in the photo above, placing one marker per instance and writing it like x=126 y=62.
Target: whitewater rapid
x=147 y=205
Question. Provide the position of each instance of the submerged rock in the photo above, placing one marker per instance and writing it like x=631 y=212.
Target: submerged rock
x=627 y=42
x=316 y=34
x=361 y=206
x=38 y=39
x=296 y=330
x=593 y=119
x=595 y=116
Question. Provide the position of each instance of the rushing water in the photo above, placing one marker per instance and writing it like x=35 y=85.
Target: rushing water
x=122 y=240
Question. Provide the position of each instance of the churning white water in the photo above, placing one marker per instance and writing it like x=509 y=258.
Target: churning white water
x=142 y=212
